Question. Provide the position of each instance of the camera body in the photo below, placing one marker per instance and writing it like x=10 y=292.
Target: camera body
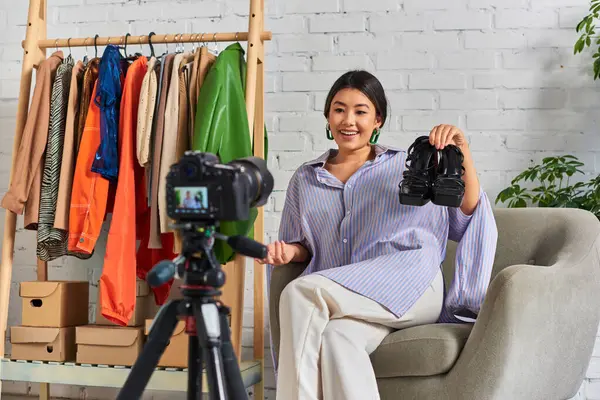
x=200 y=188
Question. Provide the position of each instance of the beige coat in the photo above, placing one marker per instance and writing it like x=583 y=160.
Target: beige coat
x=25 y=186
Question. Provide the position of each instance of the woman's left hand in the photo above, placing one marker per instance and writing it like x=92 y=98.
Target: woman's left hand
x=443 y=135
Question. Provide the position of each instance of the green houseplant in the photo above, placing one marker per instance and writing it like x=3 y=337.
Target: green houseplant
x=554 y=188
x=587 y=28
x=553 y=175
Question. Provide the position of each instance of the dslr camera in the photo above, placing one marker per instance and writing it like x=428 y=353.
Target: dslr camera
x=200 y=188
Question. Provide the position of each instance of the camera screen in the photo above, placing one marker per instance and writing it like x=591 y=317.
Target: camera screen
x=191 y=199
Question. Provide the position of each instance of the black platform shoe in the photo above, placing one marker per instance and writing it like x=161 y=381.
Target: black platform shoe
x=421 y=164
x=448 y=187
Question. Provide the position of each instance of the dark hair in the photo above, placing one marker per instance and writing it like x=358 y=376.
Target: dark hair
x=367 y=83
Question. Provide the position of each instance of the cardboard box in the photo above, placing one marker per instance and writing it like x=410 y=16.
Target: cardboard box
x=108 y=345
x=54 y=304
x=176 y=353
x=43 y=344
x=140 y=312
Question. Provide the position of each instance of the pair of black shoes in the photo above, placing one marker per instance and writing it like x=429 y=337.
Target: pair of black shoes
x=429 y=177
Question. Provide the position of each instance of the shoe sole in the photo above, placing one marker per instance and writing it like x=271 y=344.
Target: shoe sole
x=409 y=200
x=446 y=200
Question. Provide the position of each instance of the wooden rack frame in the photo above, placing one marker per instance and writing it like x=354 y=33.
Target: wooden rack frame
x=34 y=46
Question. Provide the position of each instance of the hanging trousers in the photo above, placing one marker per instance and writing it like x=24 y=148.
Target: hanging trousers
x=328 y=333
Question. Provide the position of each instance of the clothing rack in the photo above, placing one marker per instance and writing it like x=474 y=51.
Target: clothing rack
x=35 y=45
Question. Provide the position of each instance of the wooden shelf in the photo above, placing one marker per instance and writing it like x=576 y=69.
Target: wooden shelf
x=47 y=373
x=169 y=379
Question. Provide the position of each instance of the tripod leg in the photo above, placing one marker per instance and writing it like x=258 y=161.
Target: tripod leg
x=235 y=383
x=144 y=366
x=194 y=368
x=208 y=325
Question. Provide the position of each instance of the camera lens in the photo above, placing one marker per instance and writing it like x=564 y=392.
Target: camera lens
x=260 y=179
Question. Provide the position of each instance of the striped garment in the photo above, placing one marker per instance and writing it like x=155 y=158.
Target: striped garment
x=51 y=242
x=360 y=235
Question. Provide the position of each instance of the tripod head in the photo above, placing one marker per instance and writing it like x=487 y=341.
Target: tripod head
x=197 y=264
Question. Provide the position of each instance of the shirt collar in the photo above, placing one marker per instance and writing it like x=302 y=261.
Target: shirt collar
x=379 y=150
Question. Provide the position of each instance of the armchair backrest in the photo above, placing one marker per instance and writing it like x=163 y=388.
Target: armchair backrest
x=537 y=236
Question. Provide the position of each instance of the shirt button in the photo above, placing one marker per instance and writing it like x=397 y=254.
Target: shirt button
x=81 y=240
x=345 y=240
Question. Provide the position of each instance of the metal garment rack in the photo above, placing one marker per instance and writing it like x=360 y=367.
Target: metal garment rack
x=34 y=47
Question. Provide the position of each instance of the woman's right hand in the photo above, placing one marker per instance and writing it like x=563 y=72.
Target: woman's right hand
x=279 y=253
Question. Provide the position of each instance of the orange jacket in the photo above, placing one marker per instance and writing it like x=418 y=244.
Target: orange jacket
x=89 y=195
x=117 y=283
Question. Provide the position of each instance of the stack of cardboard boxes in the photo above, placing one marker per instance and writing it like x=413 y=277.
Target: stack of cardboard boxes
x=55 y=328
x=51 y=312
x=107 y=343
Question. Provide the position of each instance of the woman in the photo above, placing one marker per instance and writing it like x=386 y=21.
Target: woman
x=373 y=263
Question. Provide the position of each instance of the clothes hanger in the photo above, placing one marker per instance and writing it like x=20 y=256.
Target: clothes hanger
x=189 y=55
x=152 y=54
x=70 y=50
x=215 y=51
x=177 y=47
x=127 y=57
x=193 y=43
x=96 y=44
x=140 y=53
x=197 y=43
x=86 y=59
x=166 y=46
x=180 y=45
x=204 y=48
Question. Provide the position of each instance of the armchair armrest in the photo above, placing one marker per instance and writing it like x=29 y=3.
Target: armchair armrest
x=280 y=277
x=535 y=332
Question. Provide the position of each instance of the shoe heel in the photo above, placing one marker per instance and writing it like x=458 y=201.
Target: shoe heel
x=448 y=187
x=415 y=186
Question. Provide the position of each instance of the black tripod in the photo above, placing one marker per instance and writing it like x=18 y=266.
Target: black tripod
x=206 y=320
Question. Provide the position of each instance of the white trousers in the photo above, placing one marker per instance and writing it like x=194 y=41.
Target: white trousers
x=328 y=333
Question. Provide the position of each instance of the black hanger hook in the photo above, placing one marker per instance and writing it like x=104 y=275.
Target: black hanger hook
x=96 y=43
x=150 y=43
x=125 y=49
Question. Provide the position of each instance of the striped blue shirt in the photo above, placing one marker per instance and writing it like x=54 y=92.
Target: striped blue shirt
x=360 y=236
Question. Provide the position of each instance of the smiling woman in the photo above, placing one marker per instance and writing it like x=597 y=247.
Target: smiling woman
x=373 y=264
x=356 y=110
x=356 y=107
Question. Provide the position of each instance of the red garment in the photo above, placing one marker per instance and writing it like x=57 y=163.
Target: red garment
x=147 y=258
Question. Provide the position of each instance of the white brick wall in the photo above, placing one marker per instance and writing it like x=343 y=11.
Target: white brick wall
x=502 y=70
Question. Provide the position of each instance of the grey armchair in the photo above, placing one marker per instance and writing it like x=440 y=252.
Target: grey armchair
x=535 y=332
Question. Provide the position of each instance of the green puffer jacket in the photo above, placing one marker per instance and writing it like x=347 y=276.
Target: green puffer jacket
x=221 y=128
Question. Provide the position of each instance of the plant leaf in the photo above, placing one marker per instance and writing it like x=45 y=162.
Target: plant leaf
x=520 y=203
